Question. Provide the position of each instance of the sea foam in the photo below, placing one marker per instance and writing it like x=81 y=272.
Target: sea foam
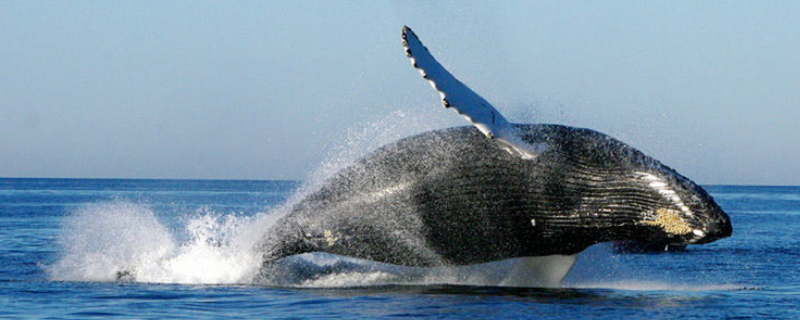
x=126 y=241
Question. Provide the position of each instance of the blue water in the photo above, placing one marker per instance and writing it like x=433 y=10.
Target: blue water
x=64 y=244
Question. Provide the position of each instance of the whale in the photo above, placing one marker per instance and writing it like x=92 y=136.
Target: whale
x=493 y=191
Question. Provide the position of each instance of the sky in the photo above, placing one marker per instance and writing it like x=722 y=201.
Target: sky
x=273 y=90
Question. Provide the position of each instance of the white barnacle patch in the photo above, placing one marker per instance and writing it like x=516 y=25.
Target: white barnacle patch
x=330 y=238
x=663 y=189
x=670 y=221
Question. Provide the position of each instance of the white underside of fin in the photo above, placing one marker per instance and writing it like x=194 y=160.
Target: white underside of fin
x=466 y=102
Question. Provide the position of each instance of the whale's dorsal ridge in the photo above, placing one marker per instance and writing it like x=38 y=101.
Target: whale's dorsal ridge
x=464 y=101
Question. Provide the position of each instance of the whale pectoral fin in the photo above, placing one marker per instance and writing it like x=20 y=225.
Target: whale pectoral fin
x=464 y=101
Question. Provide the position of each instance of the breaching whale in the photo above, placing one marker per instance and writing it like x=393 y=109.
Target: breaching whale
x=493 y=191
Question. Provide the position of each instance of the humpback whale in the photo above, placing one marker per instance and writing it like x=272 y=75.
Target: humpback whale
x=493 y=191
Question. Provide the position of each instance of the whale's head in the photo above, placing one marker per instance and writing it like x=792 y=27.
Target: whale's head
x=615 y=192
x=665 y=207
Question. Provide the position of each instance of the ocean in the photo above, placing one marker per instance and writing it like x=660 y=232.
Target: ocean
x=154 y=249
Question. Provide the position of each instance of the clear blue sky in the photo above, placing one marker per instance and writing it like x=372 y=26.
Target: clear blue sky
x=265 y=90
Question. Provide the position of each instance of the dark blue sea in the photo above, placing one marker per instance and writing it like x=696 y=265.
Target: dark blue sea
x=155 y=249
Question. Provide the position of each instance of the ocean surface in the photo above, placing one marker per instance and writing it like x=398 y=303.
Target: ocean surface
x=154 y=249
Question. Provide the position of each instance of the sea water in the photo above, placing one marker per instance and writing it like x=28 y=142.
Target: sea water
x=80 y=248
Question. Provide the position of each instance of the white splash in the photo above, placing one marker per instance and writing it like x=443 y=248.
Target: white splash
x=126 y=241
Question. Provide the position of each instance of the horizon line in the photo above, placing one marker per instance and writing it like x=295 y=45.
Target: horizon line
x=300 y=180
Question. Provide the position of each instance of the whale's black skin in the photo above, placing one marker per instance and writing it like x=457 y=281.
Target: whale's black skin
x=454 y=197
